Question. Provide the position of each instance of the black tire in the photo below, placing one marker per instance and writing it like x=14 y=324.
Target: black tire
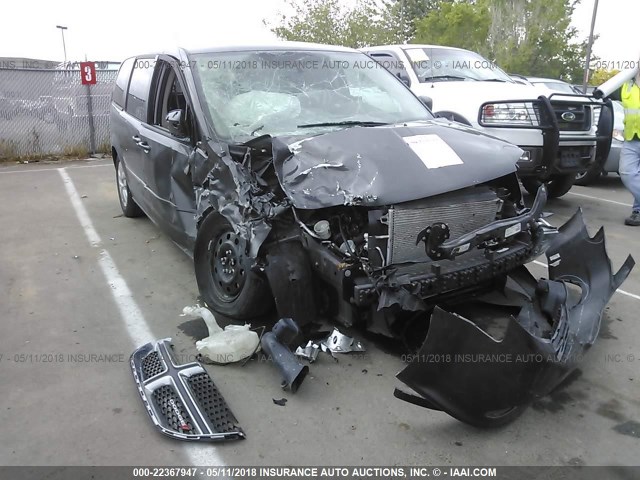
x=223 y=272
x=586 y=178
x=128 y=205
x=557 y=186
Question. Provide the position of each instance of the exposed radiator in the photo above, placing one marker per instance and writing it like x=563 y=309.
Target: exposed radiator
x=462 y=211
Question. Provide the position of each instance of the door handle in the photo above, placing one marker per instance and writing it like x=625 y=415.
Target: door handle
x=142 y=144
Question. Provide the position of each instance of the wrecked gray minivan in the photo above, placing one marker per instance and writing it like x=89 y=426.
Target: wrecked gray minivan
x=309 y=179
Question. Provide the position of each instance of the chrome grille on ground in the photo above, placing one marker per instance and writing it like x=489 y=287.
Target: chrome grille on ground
x=173 y=411
x=462 y=211
x=213 y=404
x=152 y=365
x=182 y=400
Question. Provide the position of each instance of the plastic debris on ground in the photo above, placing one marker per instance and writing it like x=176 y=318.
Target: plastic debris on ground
x=233 y=344
x=339 y=343
x=309 y=352
x=276 y=346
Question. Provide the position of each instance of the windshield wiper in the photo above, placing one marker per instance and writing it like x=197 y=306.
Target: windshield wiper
x=446 y=77
x=345 y=123
x=495 y=80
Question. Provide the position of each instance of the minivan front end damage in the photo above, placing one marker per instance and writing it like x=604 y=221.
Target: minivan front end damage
x=418 y=259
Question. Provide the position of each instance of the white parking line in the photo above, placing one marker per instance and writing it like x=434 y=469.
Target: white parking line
x=600 y=199
x=134 y=322
x=622 y=292
x=53 y=169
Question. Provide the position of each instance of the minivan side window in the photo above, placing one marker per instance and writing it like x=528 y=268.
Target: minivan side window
x=168 y=96
x=138 y=95
x=121 y=82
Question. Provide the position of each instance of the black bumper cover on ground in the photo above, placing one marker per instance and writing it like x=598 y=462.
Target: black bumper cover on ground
x=463 y=370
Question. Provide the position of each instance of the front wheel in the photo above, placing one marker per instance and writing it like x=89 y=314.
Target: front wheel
x=557 y=185
x=223 y=272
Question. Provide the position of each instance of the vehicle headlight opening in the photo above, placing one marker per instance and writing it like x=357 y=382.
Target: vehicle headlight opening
x=502 y=114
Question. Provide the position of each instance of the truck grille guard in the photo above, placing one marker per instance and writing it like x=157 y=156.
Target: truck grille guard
x=550 y=127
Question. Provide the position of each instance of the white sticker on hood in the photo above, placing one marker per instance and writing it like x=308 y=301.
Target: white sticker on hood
x=433 y=151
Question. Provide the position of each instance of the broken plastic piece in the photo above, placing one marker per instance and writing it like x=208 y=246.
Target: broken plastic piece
x=339 y=343
x=276 y=345
x=233 y=344
x=182 y=400
x=309 y=352
x=486 y=380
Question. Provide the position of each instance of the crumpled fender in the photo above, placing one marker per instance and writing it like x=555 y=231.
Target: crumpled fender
x=463 y=370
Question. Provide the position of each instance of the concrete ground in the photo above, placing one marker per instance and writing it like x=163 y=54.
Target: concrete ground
x=63 y=294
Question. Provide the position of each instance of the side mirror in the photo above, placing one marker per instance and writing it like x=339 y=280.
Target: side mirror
x=428 y=101
x=175 y=121
x=404 y=78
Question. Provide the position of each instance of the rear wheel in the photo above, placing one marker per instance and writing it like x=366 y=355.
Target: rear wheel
x=129 y=206
x=557 y=186
x=223 y=272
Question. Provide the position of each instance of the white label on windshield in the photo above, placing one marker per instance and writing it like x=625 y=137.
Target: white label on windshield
x=433 y=151
x=417 y=55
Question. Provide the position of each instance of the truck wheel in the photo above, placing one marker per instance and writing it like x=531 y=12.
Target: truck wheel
x=588 y=177
x=223 y=272
x=557 y=186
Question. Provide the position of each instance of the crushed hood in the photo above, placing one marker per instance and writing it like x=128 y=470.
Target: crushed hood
x=387 y=165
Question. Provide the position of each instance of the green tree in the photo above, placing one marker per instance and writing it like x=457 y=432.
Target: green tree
x=599 y=76
x=528 y=37
x=456 y=24
x=403 y=15
x=330 y=22
x=536 y=38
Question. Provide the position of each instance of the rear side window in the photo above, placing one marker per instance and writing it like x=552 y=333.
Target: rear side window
x=138 y=95
x=390 y=62
x=121 y=82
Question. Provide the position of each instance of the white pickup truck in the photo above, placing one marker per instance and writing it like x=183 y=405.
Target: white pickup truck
x=560 y=134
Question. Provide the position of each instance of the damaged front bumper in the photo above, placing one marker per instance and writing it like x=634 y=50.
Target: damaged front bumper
x=465 y=369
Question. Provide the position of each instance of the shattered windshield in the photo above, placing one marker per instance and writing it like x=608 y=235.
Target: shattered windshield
x=448 y=64
x=252 y=93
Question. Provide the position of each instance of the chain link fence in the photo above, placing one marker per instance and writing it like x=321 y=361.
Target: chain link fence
x=48 y=112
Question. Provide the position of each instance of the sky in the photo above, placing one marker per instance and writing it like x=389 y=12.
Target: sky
x=115 y=29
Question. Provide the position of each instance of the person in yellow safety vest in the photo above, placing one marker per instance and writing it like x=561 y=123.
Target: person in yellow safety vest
x=629 y=167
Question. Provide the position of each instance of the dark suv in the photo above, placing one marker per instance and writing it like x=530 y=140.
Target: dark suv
x=308 y=178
